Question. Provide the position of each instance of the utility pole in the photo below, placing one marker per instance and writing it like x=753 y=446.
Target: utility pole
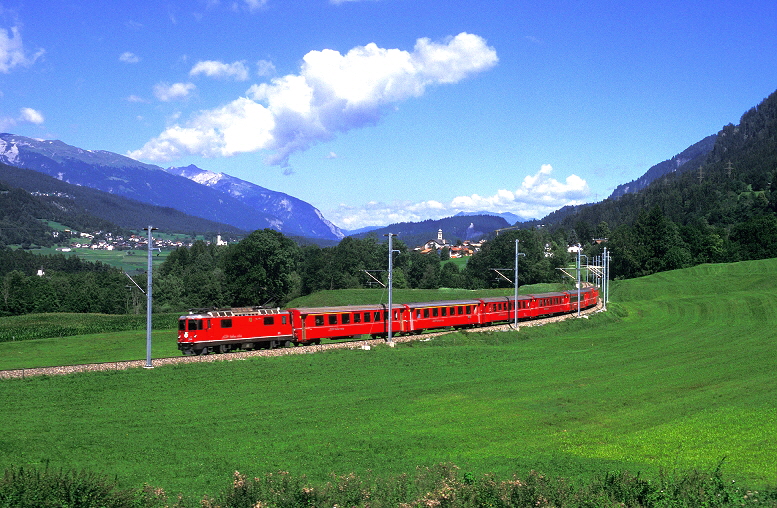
x=391 y=252
x=149 y=300
x=606 y=279
x=515 y=305
x=579 y=255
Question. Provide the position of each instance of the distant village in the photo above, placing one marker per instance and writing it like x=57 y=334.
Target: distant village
x=464 y=249
x=106 y=241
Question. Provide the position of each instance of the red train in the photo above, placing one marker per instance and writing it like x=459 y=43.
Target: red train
x=221 y=331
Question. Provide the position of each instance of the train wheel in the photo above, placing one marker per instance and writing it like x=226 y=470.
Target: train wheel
x=288 y=343
x=222 y=348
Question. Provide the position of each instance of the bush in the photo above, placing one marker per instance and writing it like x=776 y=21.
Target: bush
x=34 y=488
x=443 y=486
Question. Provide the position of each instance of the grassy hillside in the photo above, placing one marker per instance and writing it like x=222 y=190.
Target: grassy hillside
x=677 y=375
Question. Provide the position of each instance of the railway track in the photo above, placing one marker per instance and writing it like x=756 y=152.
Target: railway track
x=241 y=355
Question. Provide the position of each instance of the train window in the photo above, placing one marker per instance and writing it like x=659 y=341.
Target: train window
x=283 y=320
x=345 y=319
x=385 y=315
x=444 y=311
x=377 y=316
x=469 y=309
x=319 y=320
x=181 y=324
x=435 y=312
x=269 y=320
x=226 y=323
x=367 y=317
x=195 y=324
x=426 y=313
x=461 y=310
x=332 y=319
x=357 y=318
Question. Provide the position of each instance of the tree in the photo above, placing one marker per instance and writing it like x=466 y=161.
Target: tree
x=424 y=270
x=756 y=238
x=653 y=244
x=259 y=268
x=533 y=267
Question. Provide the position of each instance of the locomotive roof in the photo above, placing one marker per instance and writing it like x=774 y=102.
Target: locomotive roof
x=234 y=311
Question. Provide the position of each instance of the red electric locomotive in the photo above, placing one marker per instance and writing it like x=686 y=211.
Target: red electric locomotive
x=221 y=331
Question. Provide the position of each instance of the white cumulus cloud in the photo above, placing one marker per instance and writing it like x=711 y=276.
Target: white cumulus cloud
x=26 y=115
x=177 y=91
x=30 y=115
x=332 y=93
x=215 y=69
x=12 y=53
x=537 y=196
x=128 y=57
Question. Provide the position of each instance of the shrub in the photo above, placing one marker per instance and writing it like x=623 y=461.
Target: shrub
x=35 y=488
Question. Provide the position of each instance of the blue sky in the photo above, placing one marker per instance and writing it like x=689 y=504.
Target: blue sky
x=379 y=111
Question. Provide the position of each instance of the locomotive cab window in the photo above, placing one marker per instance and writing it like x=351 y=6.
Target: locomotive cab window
x=181 y=325
x=195 y=324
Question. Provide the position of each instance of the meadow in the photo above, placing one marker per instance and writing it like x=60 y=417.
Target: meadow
x=678 y=375
x=131 y=261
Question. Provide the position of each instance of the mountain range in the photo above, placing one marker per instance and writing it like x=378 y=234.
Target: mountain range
x=225 y=202
x=213 y=196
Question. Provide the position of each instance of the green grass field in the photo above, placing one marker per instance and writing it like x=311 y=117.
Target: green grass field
x=677 y=375
x=132 y=261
